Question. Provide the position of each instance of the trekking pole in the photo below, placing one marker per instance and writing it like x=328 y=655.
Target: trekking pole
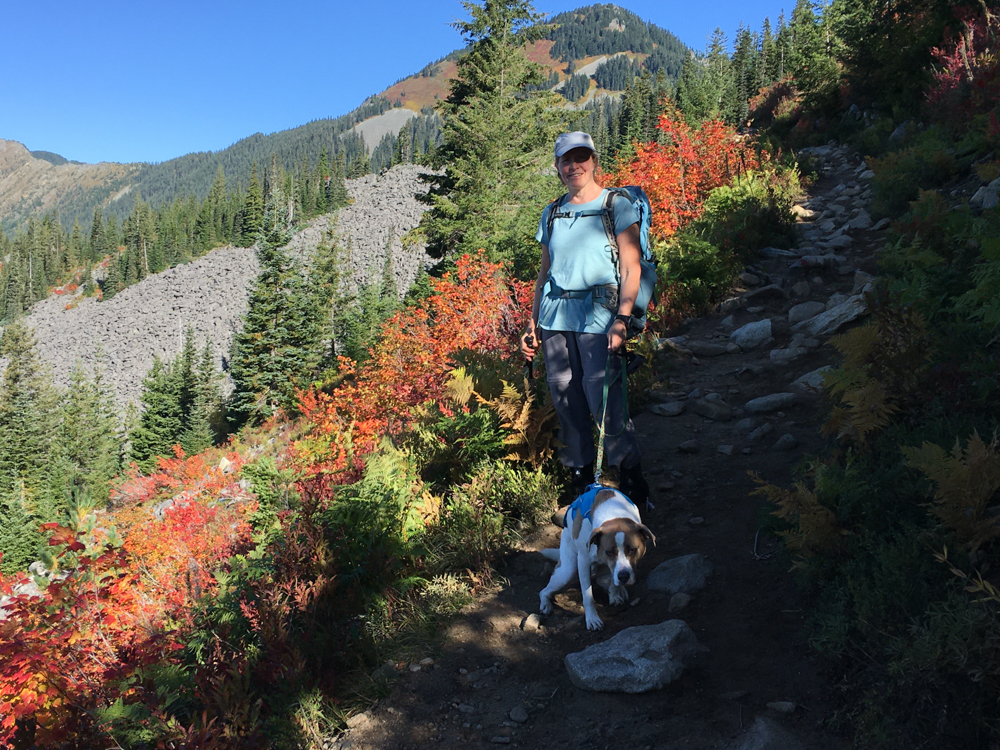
x=529 y=364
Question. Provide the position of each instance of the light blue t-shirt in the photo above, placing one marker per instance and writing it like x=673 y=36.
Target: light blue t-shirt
x=580 y=259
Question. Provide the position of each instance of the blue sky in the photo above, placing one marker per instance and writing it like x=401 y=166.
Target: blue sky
x=149 y=81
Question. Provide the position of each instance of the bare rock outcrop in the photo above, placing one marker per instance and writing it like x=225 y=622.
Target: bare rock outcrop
x=122 y=335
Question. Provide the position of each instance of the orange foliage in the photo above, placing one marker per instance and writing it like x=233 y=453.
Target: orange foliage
x=474 y=307
x=679 y=173
x=70 y=648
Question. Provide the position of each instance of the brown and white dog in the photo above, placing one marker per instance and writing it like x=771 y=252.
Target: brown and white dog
x=602 y=525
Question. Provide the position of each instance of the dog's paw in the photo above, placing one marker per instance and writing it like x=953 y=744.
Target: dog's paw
x=617 y=595
x=545 y=607
x=593 y=621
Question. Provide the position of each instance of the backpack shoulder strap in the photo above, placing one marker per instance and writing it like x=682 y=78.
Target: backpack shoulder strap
x=608 y=218
x=553 y=210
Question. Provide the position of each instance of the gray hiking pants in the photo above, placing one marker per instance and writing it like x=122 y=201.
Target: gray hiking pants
x=574 y=367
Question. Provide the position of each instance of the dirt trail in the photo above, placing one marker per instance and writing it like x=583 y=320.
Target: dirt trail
x=499 y=677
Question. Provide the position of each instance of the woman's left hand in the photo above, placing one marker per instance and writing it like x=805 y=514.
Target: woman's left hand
x=616 y=335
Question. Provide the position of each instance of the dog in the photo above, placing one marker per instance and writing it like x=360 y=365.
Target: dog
x=602 y=525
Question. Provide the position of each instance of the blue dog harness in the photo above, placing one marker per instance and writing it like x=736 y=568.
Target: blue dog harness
x=584 y=505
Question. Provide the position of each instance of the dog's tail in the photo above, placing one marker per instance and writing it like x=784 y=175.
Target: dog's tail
x=551 y=553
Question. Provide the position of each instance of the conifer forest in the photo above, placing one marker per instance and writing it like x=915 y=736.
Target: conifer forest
x=238 y=560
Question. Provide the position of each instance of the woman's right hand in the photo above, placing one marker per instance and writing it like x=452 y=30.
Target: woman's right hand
x=529 y=342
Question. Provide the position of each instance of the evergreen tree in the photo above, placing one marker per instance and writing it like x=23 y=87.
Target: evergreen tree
x=337 y=195
x=199 y=431
x=87 y=448
x=27 y=423
x=253 y=209
x=497 y=140
x=278 y=351
x=161 y=420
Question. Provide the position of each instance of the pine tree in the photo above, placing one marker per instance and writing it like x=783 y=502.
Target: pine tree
x=337 y=195
x=199 y=431
x=497 y=139
x=27 y=423
x=161 y=421
x=253 y=209
x=86 y=442
x=277 y=351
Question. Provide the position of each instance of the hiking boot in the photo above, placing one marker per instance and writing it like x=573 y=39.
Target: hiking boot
x=580 y=479
x=634 y=486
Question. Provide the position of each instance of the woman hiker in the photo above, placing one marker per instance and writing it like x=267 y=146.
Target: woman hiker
x=573 y=324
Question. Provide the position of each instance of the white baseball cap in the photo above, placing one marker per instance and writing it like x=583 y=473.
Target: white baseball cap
x=577 y=139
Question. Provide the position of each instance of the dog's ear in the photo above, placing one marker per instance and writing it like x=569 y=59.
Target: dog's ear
x=647 y=534
x=595 y=537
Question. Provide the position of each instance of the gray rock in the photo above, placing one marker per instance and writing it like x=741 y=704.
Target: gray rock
x=783 y=357
x=880 y=225
x=801 y=289
x=689 y=446
x=730 y=305
x=773 y=402
x=803 y=214
x=812 y=381
x=804 y=311
x=745 y=425
x=818 y=261
x=832 y=320
x=706 y=349
x=532 y=623
x=761 y=432
x=636 y=660
x=861 y=221
x=518 y=714
x=771 y=291
x=713 y=407
x=685 y=574
x=981 y=197
x=786 y=442
x=765 y=734
x=678 y=602
x=669 y=409
x=861 y=280
x=774 y=252
x=836 y=299
x=726 y=450
x=840 y=242
x=752 y=335
x=866 y=175
x=782 y=707
x=748 y=278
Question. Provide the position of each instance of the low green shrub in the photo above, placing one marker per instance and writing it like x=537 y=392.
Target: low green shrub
x=694 y=275
x=753 y=212
x=929 y=162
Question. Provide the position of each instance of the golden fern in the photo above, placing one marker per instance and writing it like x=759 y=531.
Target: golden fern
x=965 y=481
x=460 y=386
x=884 y=361
x=815 y=526
x=531 y=426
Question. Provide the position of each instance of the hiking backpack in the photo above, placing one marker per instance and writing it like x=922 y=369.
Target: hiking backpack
x=647 y=263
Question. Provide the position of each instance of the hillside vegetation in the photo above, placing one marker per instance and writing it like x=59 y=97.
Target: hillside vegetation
x=231 y=573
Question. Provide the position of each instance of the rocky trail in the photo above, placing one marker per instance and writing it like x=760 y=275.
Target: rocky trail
x=734 y=398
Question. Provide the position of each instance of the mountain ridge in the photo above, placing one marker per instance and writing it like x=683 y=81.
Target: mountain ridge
x=46 y=182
